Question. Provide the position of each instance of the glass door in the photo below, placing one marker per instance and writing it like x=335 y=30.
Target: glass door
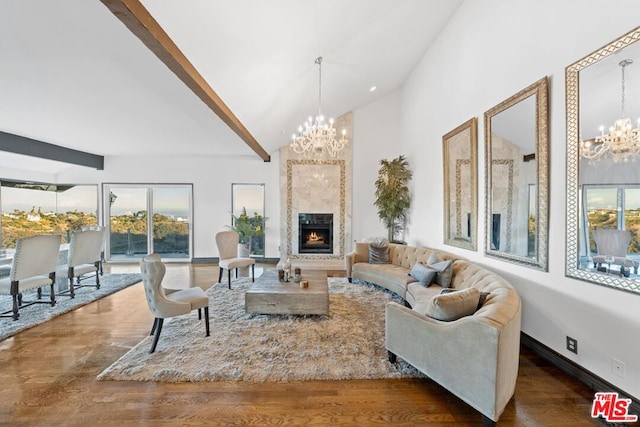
x=170 y=221
x=145 y=219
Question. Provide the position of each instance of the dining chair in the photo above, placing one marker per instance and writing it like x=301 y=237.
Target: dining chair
x=85 y=249
x=104 y=241
x=33 y=267
x=227 y=243
x=164 y=305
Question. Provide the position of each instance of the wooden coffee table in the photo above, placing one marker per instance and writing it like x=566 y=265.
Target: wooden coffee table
x=268 y=295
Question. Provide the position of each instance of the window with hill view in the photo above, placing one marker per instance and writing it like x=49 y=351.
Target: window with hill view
x=145 y=218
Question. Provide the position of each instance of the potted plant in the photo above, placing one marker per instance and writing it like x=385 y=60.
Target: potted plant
x=392 y=195
x=248 y=228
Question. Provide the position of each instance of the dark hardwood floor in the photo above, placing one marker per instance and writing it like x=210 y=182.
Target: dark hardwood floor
x=47 y=378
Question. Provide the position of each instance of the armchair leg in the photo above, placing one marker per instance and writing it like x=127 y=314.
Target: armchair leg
x=39 y=293
x=253 y=272
x=199 y=314
x=392 y=357
x=206 y=319
x=229 y=274
x=159 y=322
x=487 y=422
x=155 y=324
x=220 y=276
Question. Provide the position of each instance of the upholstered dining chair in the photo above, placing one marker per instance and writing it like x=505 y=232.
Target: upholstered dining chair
x=104 y=241
x=83 y=258
x=227 y=243
x=164 y=305
x=33 y=267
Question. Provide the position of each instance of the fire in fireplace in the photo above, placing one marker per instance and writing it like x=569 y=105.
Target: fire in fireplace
x=315 y=233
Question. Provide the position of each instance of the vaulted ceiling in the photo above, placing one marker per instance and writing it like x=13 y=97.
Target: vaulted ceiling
x=72 y=74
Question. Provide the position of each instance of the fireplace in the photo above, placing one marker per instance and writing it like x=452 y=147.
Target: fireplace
x=315 y=233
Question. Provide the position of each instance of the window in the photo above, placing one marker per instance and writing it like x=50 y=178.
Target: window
x=34 y=208
x=247 y=209
x=147 y=218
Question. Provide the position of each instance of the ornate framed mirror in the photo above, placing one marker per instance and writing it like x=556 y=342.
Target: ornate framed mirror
x=517 y=177
x=459 y=152
x=603 y=182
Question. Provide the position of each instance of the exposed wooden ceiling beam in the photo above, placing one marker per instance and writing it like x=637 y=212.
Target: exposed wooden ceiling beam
x=140 y=22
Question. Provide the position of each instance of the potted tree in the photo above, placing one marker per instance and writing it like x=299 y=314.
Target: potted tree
x=392 y=195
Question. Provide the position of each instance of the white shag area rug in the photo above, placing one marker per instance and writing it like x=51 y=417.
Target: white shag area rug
x=346 y=344
x=40 y=313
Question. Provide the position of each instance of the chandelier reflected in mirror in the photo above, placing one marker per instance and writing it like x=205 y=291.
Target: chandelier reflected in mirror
x=622 y=143
x=317 y=137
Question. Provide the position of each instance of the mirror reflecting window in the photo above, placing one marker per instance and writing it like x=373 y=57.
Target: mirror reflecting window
x=603 y=151
x=459 y=149
x=30 y=208
x=516 y=174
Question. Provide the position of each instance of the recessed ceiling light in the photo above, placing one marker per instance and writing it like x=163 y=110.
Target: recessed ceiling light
x=372 y=89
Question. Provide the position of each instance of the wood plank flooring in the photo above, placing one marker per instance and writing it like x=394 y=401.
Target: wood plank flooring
x=47 y=378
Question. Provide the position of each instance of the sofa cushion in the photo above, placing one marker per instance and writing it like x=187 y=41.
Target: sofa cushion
x=422 y=274
x=453 y=305
x=361 y=252
x=378 y=254
x=444 y=268
x=419 y=296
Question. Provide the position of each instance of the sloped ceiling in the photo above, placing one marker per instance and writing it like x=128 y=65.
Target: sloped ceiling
x=72 y=74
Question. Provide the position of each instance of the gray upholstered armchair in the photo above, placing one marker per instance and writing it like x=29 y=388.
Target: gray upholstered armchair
x=33 y=267
x=164 y=306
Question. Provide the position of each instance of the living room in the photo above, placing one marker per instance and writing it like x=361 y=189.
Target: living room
x=484 y=53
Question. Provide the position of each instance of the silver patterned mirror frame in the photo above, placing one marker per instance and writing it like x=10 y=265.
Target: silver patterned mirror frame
x=572 y=83
x=540 y=90
x=471 y=159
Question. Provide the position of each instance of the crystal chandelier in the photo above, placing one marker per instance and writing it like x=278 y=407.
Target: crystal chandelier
x=622 y=143
x=318 y=137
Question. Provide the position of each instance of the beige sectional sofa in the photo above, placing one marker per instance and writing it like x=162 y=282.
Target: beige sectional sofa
x=476 y=356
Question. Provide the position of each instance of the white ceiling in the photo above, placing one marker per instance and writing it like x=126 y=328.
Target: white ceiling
x=72 y=74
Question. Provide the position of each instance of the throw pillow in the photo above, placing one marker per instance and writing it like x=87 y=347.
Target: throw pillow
x=422 y=274
x=444 y=269
x=453 y=305
x=378 y=254
x=483 y=295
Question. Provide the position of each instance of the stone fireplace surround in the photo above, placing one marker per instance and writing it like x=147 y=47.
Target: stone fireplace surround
x=316 y=185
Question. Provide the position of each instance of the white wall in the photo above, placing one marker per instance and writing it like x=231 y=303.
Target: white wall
x=211 y=179
x=489 y=51
x=376 y=136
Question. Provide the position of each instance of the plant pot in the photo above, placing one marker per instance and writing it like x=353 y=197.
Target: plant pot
x=244 y=250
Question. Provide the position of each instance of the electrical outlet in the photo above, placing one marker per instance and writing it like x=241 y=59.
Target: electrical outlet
x=572 y=345
x=617 y=366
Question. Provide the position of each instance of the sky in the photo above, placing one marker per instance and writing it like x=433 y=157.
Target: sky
x=606 y=198
x=84 y=198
